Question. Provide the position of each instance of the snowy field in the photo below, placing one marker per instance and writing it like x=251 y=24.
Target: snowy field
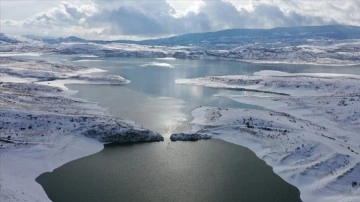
x=42 y=127
x=308 y=131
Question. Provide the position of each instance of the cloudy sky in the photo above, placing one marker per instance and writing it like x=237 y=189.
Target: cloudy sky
x=136 y=19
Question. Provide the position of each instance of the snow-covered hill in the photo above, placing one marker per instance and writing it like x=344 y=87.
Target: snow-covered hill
x=307 y=130
x=329 y=45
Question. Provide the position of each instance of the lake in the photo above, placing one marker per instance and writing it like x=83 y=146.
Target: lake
x=211 y=170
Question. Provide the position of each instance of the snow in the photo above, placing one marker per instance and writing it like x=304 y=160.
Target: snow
x=308 y=130
x=20 y=167
x=55 y=75
x=158 y=64
x=42 y=127
x=87 y=60
x=337 y=53
x=166 y=58
x=8 y=78
x=281 y=83
x=321 y=75
x=20 y=54
x=310 y=136
x=291 y=51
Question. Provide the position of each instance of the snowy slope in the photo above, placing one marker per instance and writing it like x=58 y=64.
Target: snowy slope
x=308 y=131
x=42 y=127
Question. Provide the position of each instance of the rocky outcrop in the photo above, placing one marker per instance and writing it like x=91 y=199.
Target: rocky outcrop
x=120 y=135
x=180 y=55
x=189 y=137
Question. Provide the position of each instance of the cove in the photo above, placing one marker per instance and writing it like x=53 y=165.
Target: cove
x=211 y=170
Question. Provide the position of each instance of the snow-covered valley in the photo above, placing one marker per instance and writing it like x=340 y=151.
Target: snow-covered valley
x=308 y=131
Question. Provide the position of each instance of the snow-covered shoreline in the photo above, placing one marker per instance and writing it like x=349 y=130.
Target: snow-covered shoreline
x=310 y=137
x=21 y=166
x=43 y=127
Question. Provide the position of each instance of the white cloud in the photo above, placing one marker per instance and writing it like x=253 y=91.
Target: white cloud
x=64 y=14
x=182 y=8
x=63 y=20
x=139 y=19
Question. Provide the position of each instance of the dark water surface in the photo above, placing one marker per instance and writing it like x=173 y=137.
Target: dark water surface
x=211 y=170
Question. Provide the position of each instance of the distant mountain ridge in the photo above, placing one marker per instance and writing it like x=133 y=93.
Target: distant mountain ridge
x=6 y=39
x=57 y=40
x=290 y=35
x=330 y=45
x=336 y=32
